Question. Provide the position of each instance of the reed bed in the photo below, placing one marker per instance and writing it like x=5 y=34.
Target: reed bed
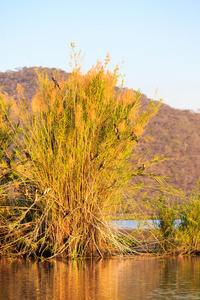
x=65 y=164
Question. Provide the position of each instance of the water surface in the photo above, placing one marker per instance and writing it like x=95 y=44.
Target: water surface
x=141 y=224
x=118 y=278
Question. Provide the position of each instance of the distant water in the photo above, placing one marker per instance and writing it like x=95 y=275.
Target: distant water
x=143 y=224
x=109 y=279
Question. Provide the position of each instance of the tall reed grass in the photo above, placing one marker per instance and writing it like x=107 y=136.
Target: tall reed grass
x=70 y=164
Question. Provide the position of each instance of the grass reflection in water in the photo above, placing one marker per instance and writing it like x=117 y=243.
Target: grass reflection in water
x=120 y=278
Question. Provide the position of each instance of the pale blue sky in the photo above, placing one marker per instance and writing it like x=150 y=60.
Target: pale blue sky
x=158 y=40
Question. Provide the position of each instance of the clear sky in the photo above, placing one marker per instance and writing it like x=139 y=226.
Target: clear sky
x=158 y=40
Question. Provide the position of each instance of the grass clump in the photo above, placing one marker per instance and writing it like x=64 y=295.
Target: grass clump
x=177 y=227
x=71 y=165
x=167 y=213
x=188 y=233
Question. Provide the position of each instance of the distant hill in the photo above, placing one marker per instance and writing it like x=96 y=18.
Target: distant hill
x=175 y=133
x=176 y=136
x=27 y=78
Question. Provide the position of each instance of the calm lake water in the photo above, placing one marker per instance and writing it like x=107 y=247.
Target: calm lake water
x=142 y=224
x=112 y=279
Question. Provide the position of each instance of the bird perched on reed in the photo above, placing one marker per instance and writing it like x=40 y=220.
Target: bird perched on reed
x=102 y=163
x=142 y=168
x=116 y=131
x=56 y=83
x=27 y=154
x=7 y=161
x=134 y=137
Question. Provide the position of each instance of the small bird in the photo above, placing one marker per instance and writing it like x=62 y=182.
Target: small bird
x=27 y=154
x=102 y=163
x=134 y=137
x=116 y=131
x=7 y=160
x=142 y=168
x=56 y=83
